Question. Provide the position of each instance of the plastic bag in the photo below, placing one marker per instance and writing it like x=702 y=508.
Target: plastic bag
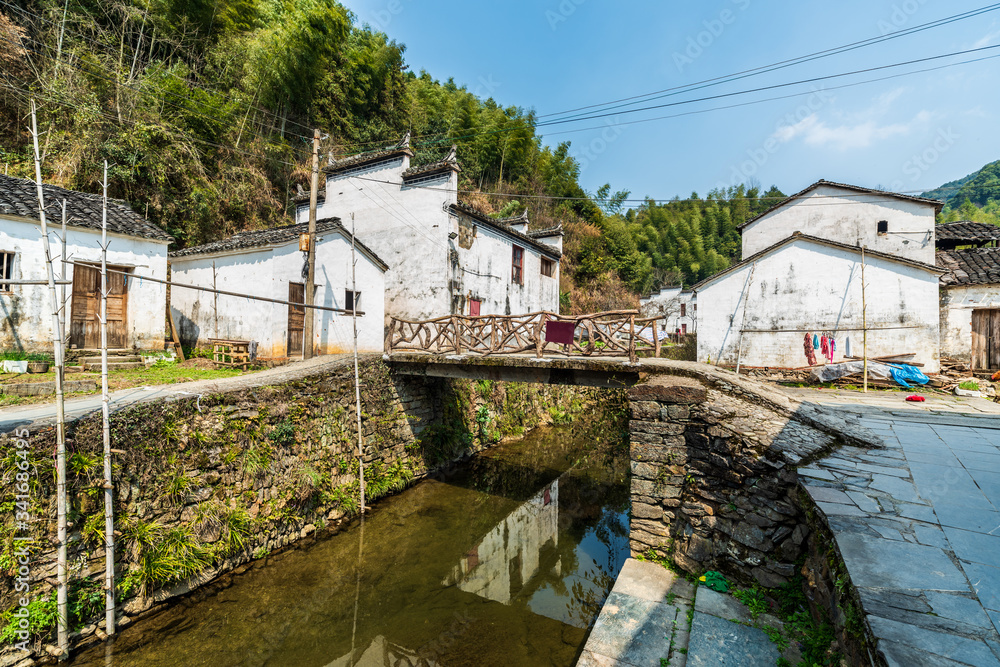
x=904 y=374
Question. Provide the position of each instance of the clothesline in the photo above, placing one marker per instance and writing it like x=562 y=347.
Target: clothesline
x=832 y=329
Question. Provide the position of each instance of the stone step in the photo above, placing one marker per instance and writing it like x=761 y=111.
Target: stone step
x=112 y=359
x=114 y=366
x=723 y=633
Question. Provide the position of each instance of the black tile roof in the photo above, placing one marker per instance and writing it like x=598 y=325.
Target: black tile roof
x=272 y=237
x=434 y=167
x=970 y=266
x=19 y=197
x=303 y=197
x=546 y=232
x=856 y=188
x=815 y=239
x=964 y=230
x=501 y=225
x=362 y=159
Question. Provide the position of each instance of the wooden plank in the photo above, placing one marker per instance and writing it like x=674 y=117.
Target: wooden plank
x=296 y=318
x=980 y=324
x=994 y=340
x=174 y=336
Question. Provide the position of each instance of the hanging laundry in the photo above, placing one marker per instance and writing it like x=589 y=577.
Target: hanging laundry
x=847 y=347
x=832 y=348
x=815 y=342
x=807 y=345
x=824 y=347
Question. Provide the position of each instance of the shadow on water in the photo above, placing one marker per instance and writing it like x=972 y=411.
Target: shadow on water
x=505 y=561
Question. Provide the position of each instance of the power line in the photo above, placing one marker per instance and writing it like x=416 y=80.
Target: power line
x=790 y=62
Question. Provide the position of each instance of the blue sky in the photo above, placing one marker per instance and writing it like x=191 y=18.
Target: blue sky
x=910 y=133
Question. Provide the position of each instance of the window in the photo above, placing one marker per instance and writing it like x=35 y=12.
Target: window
x=548 y=267
x=684 y=310
x=6 y=269
x=475 y=306
x=883 y=226
x=684 y=329
x=517 y=272
x=351 y=300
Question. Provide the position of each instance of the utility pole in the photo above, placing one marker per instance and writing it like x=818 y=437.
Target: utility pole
x=109 y=508
x=307 y=327
x=864 y=323
x=62 y=604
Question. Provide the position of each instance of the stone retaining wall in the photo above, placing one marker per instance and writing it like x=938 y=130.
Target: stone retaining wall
x=206 y=484
x=714 y=477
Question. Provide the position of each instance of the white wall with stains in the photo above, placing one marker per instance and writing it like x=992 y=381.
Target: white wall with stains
x=267 y=272
x=408 y=226
x=678 y=307
x=26 y=311
x=957 y=304
x=805 y=286
x=849 y=217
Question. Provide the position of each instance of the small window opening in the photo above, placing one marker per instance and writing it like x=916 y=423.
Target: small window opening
x=6 y=269
x=548 y=267
x=883 y=226
x=351 y=300
x=517 y=273
x=684 y=311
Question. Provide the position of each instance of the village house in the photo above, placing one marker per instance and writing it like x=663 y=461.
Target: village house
x=268 y=263
x=801 y=274
x=136 y=308
x=970 y=293
x=676 y=305
x=445 y=257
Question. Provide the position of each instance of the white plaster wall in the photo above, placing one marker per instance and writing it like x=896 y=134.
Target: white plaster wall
x=267 y=272
x=485 y=272
x=808 y=286
x=26 y=312
x=957 y=304
x=667 y=303
x=840 y=215
x=407 y=227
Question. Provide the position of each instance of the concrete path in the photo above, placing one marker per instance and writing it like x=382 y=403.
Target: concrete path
x=918 y=526
x=43 y=414
x=654 y=618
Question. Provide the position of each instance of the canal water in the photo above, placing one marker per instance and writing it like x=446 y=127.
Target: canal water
x=505 y=562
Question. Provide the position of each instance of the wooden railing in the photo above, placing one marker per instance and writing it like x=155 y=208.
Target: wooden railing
x=617 y=333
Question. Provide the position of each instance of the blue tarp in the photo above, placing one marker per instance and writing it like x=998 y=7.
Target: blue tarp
x=904 y=374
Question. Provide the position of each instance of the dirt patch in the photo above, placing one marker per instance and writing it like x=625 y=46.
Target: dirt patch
x=197 y=362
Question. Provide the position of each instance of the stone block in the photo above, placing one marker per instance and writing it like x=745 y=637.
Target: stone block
x=645 y=410
x=659 y=428
x=675 y=412
x=644 y=511
x=668 y=393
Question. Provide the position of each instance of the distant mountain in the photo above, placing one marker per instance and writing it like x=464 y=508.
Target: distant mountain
x=980 y=187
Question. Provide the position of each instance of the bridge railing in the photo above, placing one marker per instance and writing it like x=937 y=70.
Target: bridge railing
x=618 y=333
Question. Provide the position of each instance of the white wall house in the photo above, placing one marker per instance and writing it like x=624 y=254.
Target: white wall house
x=444 y=257
x=801 y=273
x=136 y=308
x=269 y=264
x=970 y=306
x=677 y=305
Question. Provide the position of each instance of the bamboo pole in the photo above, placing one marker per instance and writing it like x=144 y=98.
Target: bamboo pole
x=62 y=274
x=109 y=508
x=864 y=324
x=357 y=381
x=62 y=607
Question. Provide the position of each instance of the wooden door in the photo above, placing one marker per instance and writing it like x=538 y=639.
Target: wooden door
x=85 y=323
x=296 y=318
x=986 y=338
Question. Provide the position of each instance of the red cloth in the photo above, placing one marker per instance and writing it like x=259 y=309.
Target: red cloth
x=810 y=351
x=560 y=332
x=916 y=398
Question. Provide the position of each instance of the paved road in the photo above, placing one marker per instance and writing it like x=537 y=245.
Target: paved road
x=918 y=526
x=43 y=414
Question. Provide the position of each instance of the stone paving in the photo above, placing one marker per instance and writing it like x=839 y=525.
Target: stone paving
x=654 y=618
x=918 y=526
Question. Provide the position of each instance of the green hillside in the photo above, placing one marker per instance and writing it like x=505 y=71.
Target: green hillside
x=975 y=197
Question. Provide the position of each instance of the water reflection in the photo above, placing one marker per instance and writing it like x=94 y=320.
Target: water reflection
x=504 y=563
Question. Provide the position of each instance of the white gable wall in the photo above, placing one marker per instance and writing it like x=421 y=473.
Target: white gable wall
x=484 y=271
x=957 y=304
x=406 y=227
x=815 y=288
x=267 y=272
x=431 y=275
x=26 y=311
x=849 y=217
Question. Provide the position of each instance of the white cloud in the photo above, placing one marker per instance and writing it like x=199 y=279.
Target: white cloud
x=850 y=131
x=987 y=39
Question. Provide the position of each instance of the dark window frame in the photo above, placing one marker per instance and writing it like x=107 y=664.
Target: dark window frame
x=351 y=300
x=882 y=227
x=548 y=267
x=517 y=265
x=6 y=270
